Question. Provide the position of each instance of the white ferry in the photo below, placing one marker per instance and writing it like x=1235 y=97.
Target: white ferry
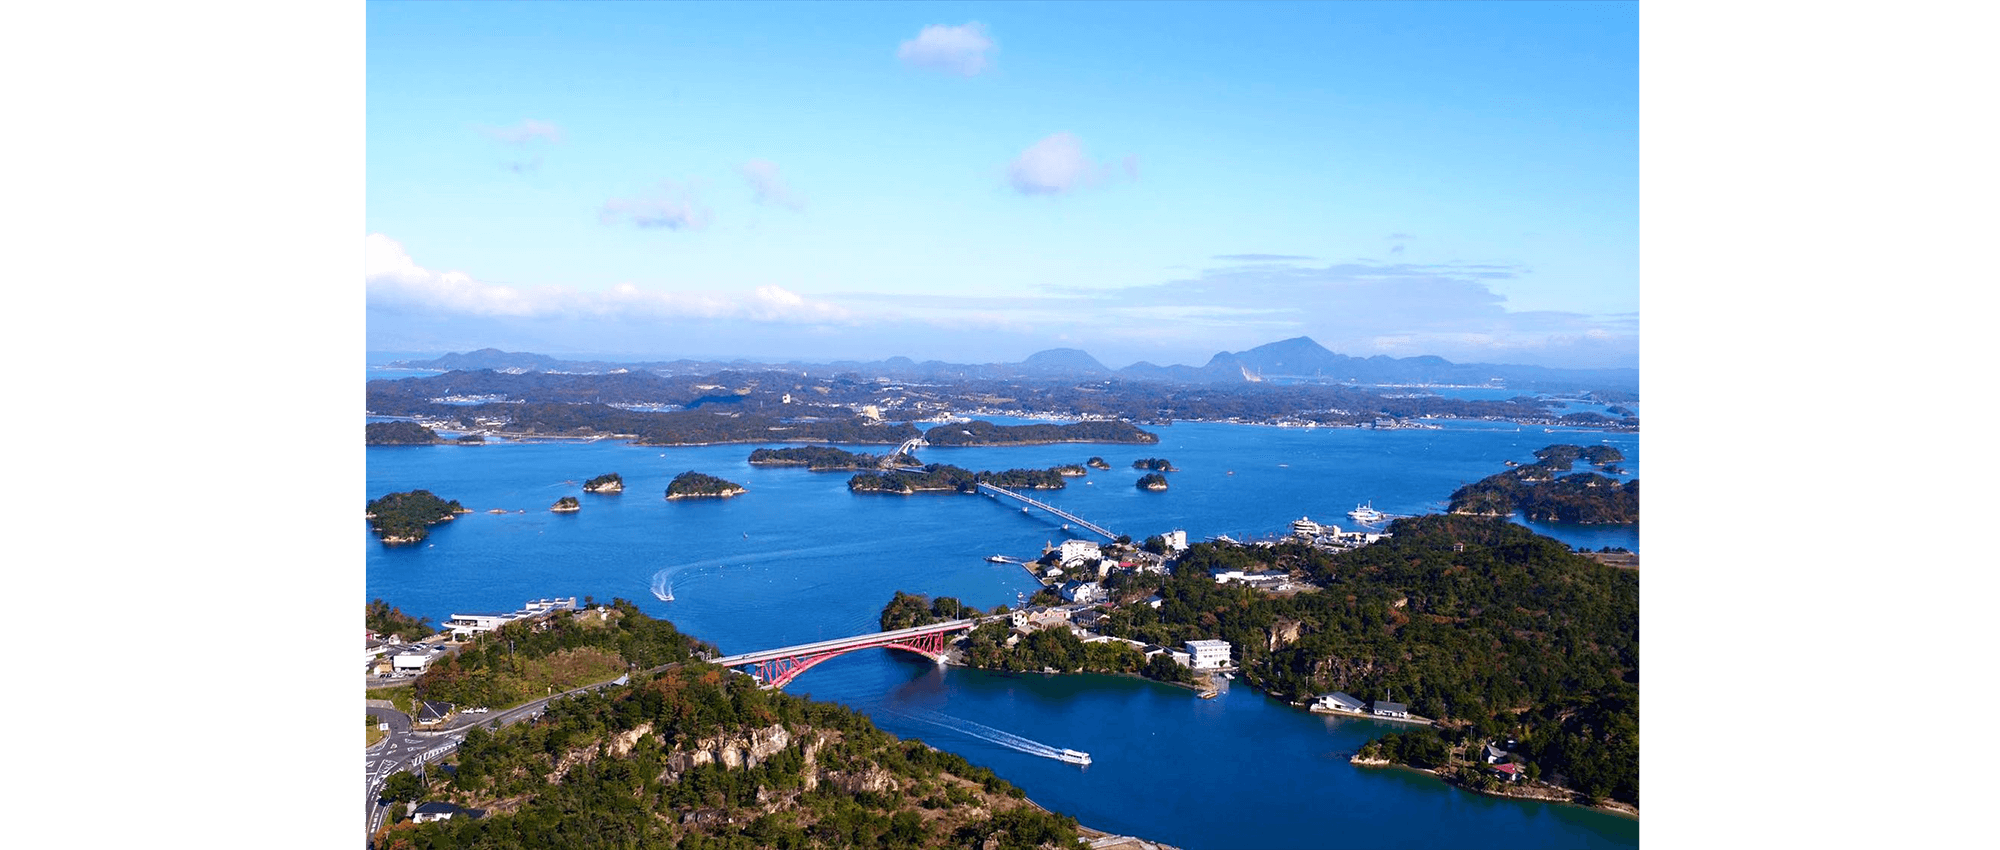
x=1073 y=756
x=1367 y=514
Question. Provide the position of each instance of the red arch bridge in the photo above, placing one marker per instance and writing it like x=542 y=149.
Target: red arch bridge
x=774 y=668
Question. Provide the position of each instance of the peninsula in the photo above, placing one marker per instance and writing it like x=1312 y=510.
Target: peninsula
x=826 y=459
x=1542 y=493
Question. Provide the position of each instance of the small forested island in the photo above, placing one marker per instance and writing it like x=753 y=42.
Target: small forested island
x=607 y=483
x=694 y=485
x=939 y=477
x=1069 y=470
x=1152 y=481
x=566 y=505
x=1097 y=463
x=691 y=756
x=406 y=517
x=826 y=458
x=980 y=432
x=400 y=434
x=1157 y=464
x=1541 y=493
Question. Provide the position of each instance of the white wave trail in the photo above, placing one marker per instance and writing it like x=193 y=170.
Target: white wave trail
x=983 y=732
x=663 y=586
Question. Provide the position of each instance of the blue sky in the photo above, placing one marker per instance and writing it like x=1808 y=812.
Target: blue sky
x=976 y=182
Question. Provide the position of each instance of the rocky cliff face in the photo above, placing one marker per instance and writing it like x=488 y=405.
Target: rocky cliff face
x=733 y=751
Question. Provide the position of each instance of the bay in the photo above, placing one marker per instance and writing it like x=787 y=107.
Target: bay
x=798 y=558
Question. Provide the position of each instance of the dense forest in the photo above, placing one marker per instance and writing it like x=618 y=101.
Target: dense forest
x=389 y=621
x=400 y=434
x=940 y=477
x=1152 y=481
x=609 y=482
x=521 y=661
x=638 y=766
x=1477 y=622
x=980 y=432
x=1156 y=464
x=566 y=504
x=691 y=484
x=825 y=458
x=407 y=517
x=1097 y=463
x=1541 y=493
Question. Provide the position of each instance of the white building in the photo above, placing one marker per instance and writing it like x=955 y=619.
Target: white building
x=1176 y=540
x=414 y=659
x=467 y=625
x=1208 y=654
x=1074 y=551
x=1338 y=701
x=1083 y=591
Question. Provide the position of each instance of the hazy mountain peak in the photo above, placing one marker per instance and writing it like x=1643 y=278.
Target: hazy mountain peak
x=1064 y=359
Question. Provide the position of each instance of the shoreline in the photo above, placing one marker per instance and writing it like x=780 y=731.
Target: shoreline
x=1560 y=796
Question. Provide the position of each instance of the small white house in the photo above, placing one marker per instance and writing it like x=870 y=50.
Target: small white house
x=1208 y=654
x=414 y=659
x=427 y=812
x=1338 y=701
x=1083 y=591
x=1176 y=540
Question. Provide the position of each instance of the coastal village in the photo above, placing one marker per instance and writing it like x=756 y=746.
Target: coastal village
x=1083 y=583
x=1079 y=579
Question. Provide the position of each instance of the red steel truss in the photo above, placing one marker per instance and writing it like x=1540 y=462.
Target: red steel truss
x=778 y=672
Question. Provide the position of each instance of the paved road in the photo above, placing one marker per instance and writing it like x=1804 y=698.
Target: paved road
x=409 y=747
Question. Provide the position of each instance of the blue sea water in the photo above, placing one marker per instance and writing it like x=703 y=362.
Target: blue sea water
x=798 y=558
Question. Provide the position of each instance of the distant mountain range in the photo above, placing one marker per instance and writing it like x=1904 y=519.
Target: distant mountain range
x=1299 y=359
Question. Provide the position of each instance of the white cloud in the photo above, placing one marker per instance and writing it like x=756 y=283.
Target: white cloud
x=958 y=50
x=396 y=284
x=526 y=131
x=1057 y=164
x=770 y=188
x=671 y=206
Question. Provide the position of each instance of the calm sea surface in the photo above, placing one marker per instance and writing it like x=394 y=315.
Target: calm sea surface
x=797 y=558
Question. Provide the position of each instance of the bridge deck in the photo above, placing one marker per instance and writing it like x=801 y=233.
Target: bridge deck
x=855 y=642
x=1051 y=509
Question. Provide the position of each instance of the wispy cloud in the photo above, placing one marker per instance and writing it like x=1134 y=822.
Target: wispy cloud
x=769 y=187
x=1058 y=164
x=527 y=131
x=671 y=206
x=397 y=284
x=1260 y=258
x=961 y=50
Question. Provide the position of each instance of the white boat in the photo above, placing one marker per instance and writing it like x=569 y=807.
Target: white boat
x=999 y=559
x=1073 y=756
x=1367 y=514
x=670 y=593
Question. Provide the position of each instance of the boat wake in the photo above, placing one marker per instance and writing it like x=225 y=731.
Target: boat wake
x=991 y=735
x=663 y=586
